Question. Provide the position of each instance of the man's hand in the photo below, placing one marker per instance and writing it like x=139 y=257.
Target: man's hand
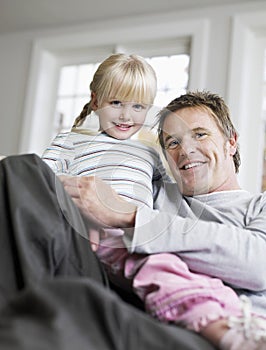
x=99 y=202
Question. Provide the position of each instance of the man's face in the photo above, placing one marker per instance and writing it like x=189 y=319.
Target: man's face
x=199 y=155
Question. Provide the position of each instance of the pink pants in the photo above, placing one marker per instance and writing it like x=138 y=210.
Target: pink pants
x=169 y=290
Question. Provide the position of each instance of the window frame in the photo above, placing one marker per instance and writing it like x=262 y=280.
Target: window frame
x=245 y=94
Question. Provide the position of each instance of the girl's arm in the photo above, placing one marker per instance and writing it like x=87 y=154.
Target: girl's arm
x=59 y=154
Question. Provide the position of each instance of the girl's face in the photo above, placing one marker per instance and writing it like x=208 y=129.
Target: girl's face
x=120 y=119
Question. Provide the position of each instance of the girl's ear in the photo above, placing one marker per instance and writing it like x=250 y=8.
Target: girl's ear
x=233 y=144
x=94 y=102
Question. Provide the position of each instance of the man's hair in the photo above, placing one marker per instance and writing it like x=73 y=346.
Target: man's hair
x=206 y=101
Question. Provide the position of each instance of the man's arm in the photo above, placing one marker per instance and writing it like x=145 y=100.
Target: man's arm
x=234 y=254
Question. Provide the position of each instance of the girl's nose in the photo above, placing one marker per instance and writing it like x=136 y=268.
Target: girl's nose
x=125 y=113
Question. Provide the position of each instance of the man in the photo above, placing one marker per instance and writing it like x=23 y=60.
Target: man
x=217 y=228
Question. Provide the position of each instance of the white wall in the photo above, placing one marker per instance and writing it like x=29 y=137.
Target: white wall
x=14 y=72
x=227 y=40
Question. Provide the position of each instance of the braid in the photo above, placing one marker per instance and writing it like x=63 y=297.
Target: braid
x=83 y=114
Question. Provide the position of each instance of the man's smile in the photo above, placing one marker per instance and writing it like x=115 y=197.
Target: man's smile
x=191 y=165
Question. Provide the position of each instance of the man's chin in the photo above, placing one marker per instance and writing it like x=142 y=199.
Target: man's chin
x=192 y=189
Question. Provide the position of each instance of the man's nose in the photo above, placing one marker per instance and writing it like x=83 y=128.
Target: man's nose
x=188 y=146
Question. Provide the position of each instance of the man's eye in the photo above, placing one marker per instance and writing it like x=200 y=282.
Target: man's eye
x=172 y=144
x=200 y=135
x=116 y=103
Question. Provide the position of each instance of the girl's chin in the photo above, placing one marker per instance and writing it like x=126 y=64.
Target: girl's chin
x=121 y=135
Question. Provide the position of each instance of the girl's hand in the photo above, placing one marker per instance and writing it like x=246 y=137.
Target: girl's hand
x=97 y=235
x=94 y=238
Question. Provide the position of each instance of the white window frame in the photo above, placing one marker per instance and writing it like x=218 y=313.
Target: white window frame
x=245 y=94
x=81 y=45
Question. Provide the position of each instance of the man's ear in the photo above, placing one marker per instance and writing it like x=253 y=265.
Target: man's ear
x=233 y=144
x=94 y=102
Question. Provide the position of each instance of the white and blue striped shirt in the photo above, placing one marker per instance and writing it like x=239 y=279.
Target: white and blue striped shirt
x=129 y=166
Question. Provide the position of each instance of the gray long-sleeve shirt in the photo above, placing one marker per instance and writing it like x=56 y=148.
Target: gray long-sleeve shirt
x=222 y=234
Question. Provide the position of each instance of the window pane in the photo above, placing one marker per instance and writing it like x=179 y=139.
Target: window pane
x=64 y=113
x=84 y=77
x=172 y=76
x=67 y=81
x=178 y=65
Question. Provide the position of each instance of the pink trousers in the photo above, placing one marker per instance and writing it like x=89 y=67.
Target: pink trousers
x=169 y=290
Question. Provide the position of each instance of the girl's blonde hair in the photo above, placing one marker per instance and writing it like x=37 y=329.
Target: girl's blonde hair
x=122 y=77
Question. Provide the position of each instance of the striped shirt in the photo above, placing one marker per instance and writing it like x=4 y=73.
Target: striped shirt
x=129 y=166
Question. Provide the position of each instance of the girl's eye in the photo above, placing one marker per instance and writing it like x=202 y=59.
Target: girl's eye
x=116 y=103
x=138 y=107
